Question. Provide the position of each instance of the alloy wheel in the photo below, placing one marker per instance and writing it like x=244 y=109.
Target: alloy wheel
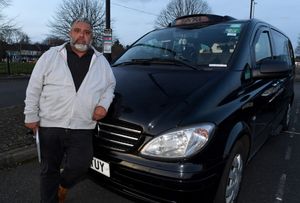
x=234 y=179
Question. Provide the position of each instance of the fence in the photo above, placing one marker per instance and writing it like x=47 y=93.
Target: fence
x=16 y=68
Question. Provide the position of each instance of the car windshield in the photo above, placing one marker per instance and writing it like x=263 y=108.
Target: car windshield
x=199 y=46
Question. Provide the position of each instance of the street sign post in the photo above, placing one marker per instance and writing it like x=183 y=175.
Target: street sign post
x=107 y=41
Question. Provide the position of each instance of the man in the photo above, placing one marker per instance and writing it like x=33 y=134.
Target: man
x=71 y=87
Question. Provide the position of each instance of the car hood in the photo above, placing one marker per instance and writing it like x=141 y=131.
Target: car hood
x=156 y=98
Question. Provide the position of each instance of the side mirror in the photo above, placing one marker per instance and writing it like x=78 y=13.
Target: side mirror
x=271 y=69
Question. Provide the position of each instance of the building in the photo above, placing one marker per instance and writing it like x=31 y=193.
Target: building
x=25 y=52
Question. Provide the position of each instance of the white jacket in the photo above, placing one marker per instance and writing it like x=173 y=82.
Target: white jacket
x=51 y=97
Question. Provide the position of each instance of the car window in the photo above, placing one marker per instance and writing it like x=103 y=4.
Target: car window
x=263 y=47
x=281 y=47
x=210 y=45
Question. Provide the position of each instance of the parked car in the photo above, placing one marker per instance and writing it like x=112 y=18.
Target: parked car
x=193 y=103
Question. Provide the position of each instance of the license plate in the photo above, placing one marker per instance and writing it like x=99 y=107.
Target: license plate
x=100 y=166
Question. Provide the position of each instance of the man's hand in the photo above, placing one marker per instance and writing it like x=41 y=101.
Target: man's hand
x=33 y=126
x=99 y=113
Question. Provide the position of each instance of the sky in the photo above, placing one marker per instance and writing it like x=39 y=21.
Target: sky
x=133 y=18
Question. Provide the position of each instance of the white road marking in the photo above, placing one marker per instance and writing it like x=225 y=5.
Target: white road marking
x=280 y=191
x=288 y=153
x=282 y=181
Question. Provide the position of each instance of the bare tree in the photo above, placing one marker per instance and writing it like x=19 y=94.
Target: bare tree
x=177 y=8
x=7 y=28
x=3 y=21
x=69 y=10
x=52 y=41
x=6 y=25
x=4 y=3
x=20 y=37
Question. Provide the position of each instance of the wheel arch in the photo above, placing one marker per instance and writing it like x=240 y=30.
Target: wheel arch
x=240 y=131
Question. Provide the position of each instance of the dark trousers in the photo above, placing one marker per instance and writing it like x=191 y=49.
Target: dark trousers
x=72 y=147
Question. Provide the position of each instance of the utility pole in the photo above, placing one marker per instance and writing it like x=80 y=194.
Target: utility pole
x=107 y=35
x=251 y=8
x=107 y=10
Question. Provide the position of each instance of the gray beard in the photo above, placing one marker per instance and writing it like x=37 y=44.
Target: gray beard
x=80 y=47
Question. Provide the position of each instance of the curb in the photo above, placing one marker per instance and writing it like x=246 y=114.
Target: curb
x=14 y=157
x=14 y=77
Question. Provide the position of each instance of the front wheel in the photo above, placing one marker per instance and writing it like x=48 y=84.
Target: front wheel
x=230 y=183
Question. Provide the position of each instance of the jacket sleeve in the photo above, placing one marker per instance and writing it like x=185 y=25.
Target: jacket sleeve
x=34 y=89
x=108 y=95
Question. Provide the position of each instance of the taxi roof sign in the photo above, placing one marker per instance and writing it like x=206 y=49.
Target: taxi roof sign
x=200 y=19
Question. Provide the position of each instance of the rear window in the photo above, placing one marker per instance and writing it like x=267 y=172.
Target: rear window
x=211 y=45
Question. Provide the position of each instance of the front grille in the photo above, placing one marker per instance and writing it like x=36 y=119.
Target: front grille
x=118 y=136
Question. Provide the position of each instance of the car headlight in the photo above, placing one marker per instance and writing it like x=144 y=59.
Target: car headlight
x=180 y=143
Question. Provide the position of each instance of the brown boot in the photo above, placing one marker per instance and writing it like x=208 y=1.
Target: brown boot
x=62 y=193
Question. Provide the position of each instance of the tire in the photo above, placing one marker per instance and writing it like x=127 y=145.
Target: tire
x=231 y=179
x=287 y=118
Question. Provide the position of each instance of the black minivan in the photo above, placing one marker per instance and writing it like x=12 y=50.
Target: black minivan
x=193 y=103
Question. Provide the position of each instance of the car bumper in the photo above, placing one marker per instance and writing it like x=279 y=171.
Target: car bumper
x=156 y=181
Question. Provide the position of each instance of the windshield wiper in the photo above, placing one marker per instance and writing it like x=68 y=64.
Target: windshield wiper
x=160 y=61
x=134 y=61
x=157 y=47
x=123 y=63
x=178 y=61
x=186 y=62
